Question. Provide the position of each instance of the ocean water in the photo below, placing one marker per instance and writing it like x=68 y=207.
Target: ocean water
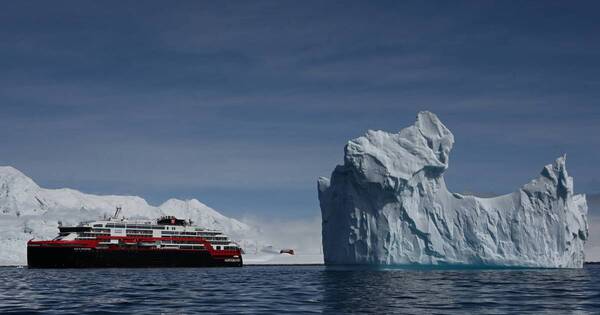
x=299 y=290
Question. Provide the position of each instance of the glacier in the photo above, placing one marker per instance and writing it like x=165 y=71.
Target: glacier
x=28 y=211
x=388 y=204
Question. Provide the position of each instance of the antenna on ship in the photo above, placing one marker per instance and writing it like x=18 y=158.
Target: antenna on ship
x=117 y=212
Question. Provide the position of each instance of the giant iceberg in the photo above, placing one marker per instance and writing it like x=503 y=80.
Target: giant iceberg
x=388 y=205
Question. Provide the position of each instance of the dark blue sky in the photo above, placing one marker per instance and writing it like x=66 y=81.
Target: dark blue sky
x=244 y=104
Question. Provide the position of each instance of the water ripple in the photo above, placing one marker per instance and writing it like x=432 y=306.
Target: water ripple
x=299 y=290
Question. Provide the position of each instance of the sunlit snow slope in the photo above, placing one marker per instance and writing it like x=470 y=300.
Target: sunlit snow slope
x=28 y=211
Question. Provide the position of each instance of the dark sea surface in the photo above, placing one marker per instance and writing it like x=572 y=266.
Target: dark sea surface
x=299 y=289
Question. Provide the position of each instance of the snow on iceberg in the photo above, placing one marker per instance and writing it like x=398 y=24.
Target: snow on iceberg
x=388 y=204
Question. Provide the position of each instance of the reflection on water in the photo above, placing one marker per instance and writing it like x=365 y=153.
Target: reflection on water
x=458 y=291
x=293 y=289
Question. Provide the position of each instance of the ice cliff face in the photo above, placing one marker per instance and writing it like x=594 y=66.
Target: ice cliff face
x=28 y=211
x=388 y=204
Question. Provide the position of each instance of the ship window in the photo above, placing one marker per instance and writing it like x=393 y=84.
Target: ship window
x=138 y=226
x=97 y=225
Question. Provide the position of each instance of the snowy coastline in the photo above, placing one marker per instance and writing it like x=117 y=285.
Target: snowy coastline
x=28 y=211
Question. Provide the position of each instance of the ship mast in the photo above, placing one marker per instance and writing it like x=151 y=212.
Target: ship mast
x=117 y=212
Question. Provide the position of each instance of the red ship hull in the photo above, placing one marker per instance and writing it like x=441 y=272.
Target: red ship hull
x=90 y=254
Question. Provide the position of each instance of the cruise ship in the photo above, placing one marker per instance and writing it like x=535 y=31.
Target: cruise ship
x=165 y=242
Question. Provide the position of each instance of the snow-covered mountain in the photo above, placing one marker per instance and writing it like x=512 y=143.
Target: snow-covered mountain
x=389 y=204
x=206 y=216
x=28 y=211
